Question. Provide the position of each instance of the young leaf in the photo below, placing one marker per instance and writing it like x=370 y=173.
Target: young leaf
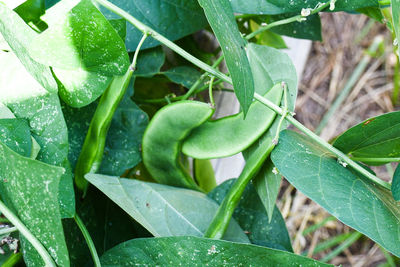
x=87 y=41
x=30 y=188
x=194 y=251
x=172 y=18
x=396 y=184
x=267 y=183
x=354 y=200
x=29 y=100
x=222 y=20
x=251 y=216
x=268 y=38
x=164 y=210
x=375 y=138
x=19 y=37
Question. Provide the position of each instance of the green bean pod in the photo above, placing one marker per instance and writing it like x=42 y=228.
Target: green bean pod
x=163 y=138
x=232 y=134
x=93 y=148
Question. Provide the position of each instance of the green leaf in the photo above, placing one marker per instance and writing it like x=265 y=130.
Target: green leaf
x=183 y=75
x=268 y=38
x=19 y=37
x=267 y=183
x=15 y=134
x=124 y=138
x=396 y=17
x=150 y=62
x=309 y=29
x=340 y=5
x=396 y=184
x=27 y=99
x=164 y=210
x=30 y=188
x=251 y=216
x=31 y=10
x=79 y=88
x=172 y=18
x=194 y=251
x=372 y=12
x=270 y=66
x=354 y=200
x=222 y=20
x=376 y=137
x=107 y=224
x=87 y=41
x=257 y=7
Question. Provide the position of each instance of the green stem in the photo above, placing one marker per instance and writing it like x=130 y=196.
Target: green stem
x=258 y=97
x=93 y=147
x=210 y=91
x=12 y=260
x=178 y=98
x=396 y=81
x=89 y=240
x=359 y=70
x=377 y=160
x=48 y=260
x=323 y=143
x=7 y=230
x=253 y=165
x=193 y=88
x=347 y=243
x=147 y=30
x=286 y=21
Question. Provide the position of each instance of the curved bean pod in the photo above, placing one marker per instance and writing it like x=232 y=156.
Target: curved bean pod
x=230 y=135
x=163 y=138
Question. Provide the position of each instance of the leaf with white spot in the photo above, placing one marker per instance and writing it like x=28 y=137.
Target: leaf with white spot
x=27 y=99
x=164 y=210
x=82 y=38
x=19 y=37
x=194 y=251
x=367 y=207
x=15 y=134
x=30 y=188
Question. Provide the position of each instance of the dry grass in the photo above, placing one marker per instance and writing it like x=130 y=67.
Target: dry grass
x=328 y=68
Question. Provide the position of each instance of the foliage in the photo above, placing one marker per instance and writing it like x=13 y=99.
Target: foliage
x=79 y=81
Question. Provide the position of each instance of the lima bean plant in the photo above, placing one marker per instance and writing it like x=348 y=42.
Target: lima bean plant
x=107 y=128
